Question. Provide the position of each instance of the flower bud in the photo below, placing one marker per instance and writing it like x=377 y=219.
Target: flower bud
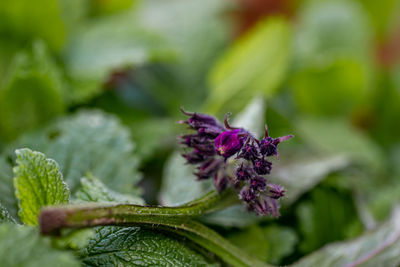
x=258 y=183
x=262 y=166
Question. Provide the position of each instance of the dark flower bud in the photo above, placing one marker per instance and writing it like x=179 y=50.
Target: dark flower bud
x=265 y=206
x=198 y=121
x=267 y=147
x=275 y=191
x=258 y=183
x=208 y=168
x=193 y=158
x=262 y=166
x=210 y=131
x=243 y=173
x=249 y=152
x=220 y=181
x=206 y=149
x=247 y=194
x=229 y=143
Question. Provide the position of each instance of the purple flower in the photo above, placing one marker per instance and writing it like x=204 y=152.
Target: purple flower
x=228 y=143
x=262 y=166
x=249 y=152
x=247 y=194
x=213 y=143
x=275 y=191
x=243 y=173
x=268 y=145
x=208 y=168
x=265 y=206
x=258 y=183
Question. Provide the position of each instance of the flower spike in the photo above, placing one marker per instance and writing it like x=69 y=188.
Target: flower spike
x=213 y=144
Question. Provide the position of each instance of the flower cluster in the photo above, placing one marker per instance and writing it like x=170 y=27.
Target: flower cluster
x=213 y=144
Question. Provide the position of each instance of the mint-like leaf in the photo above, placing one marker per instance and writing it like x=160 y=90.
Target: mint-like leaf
x=93 y=190
x=89 y=142
x=133 y=246
x=22 y=246
x=38 y=182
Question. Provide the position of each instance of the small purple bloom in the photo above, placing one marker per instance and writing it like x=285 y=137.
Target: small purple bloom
x=247 y=194
x=258 y=183
x=267 y=147
x=249 y=152
x=197 y=121
x=228 y=143
x=275 y=191
x=265 y=206
x=193 y=158
x=243 y=173
x=208 y=168
x=262 y=166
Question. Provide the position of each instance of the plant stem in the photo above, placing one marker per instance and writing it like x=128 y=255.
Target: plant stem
x=175 y=219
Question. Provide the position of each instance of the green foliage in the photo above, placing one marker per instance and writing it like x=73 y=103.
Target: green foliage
x=242 y=74
x=108 y=152
x=377 y=248
x=336 y=136
x=22 y=246
x=132 y=246
x=7 y=192
x=108 y=44
x=303 y=174
x=326 y=210
x=38 y=182
x=270 y=243
x=93 y=190
x=333 y=70
x=32 y=93
x=4 y=215
x=26 y=20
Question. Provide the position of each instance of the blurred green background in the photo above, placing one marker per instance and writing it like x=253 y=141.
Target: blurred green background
x=326 y=71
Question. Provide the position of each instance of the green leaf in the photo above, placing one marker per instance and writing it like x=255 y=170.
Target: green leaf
x=7 y=192
x=107 y=154
x=93 y=190
x=271 y=243
x=24 y=21
x=303 y=174
x=38 y=183
x=376 y=248
x=234 y=216
x=327 y=209
x=333 y=71
x=335 y=136
x=132 y=246
x=255 y=65
x=4 y=215
x=108 y=44
x=32 y=93
x=22 y=246
x=180 y=184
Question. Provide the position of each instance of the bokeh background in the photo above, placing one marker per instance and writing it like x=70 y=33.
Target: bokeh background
x=326 y=71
